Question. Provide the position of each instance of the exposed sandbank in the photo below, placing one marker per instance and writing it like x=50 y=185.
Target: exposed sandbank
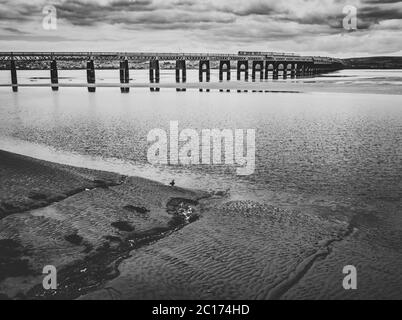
x=82 y=221
x=117 y=237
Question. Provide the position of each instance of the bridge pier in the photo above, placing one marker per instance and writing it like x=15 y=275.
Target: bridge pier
x=91 y=75
x=299 y=70
x=258 y=66
x=54 y=77
x=266 y=69
x=242 y=66
x=224 y=67
x=306 y=70
x=124 y=75
x=204 y=67
x=293 y=71
x=181 y=77
x=154 y=73
x=285 y=70
x=14 y=79
x=275 y=73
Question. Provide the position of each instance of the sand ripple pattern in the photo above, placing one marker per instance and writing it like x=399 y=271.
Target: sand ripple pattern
x=239 y=250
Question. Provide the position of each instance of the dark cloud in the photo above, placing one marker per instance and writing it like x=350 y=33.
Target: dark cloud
x=11 y=12
x=370 y=15
x=376 y=13
x=217 y=21
x=84 y=13
x=192 y=12
x=382 y=1
x=130 y=14
x=253 y=8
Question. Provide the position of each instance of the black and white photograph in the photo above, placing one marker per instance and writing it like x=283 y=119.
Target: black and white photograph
x=200 y=150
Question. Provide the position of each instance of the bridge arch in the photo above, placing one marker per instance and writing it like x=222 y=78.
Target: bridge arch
x=242 y=67
x=204 y=68
x=269 y=67
x=258 y=67
x=224 y=67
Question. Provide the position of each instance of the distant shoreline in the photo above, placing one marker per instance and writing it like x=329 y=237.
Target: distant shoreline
x=374 y=63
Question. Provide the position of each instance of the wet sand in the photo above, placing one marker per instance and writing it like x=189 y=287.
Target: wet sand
x=116 y=237
x=247 y=250
x=81 y=221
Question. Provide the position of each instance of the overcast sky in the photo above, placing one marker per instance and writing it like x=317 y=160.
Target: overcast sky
x=302 y=26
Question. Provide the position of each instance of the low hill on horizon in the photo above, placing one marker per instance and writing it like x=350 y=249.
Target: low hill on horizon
x=374 y=63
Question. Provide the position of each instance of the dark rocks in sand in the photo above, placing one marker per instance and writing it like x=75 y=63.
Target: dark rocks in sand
x=114 y=243
x=179 y=220
x=176 y=221
x=123 y=226
x=131 y=208
x=74 y=239
x=175 y=203
x=149 y=234
x=182 y=211
x=11 y=262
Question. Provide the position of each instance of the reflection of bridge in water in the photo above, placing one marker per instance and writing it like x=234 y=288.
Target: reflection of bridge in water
x=262 y=64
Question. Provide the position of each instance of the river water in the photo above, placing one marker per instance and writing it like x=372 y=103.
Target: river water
x=331 y=154
x=329 y=144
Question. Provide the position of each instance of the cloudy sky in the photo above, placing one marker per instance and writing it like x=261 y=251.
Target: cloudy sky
x=302 y=26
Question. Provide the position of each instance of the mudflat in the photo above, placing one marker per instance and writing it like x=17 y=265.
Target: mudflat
x=83 y=222
x=117 y=237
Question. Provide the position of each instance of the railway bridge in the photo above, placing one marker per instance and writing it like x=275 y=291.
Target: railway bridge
x=261 y=65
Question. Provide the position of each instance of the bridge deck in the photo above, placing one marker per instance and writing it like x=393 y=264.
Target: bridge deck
x=147 y=56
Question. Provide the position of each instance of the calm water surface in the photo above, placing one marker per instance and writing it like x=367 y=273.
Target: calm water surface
x=315 y=148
